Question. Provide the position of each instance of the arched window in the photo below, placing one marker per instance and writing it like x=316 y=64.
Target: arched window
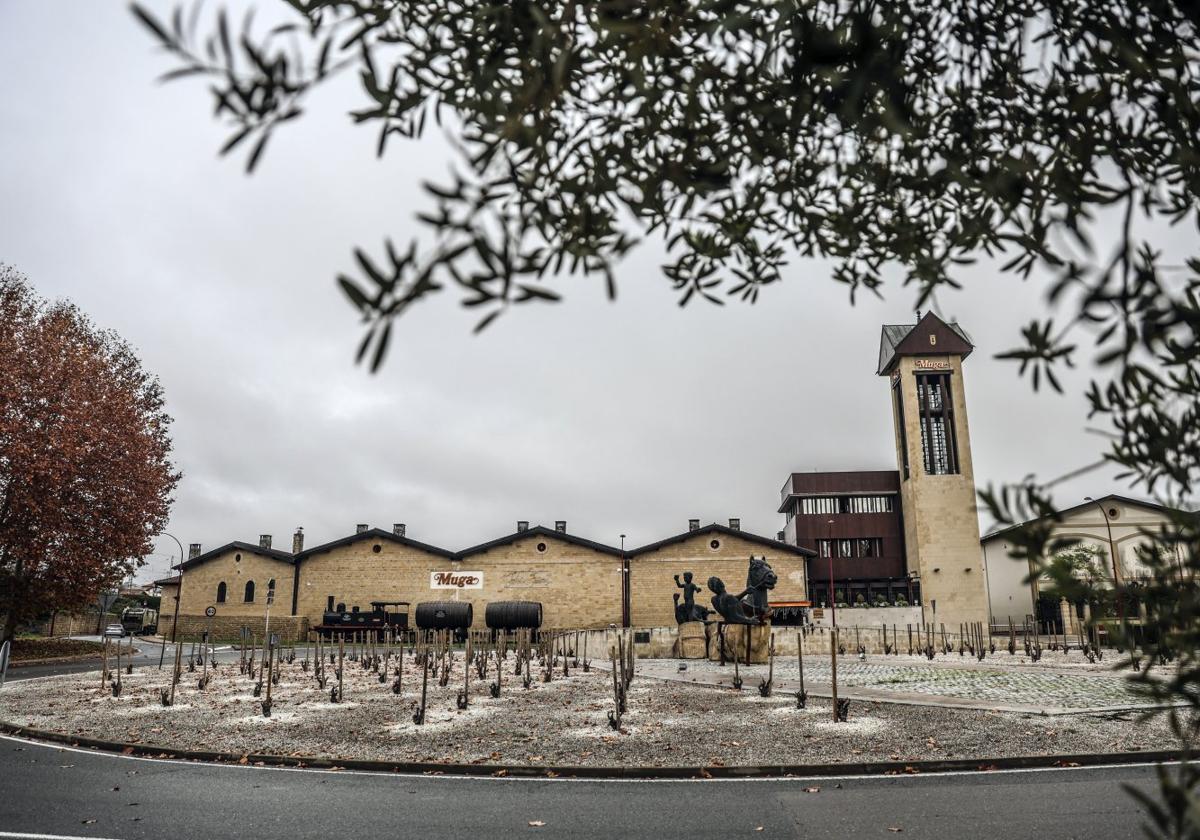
x=221 y=592
x=249 y=591
x=271 y=584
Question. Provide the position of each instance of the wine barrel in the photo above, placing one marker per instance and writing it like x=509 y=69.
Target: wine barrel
x=444 y=615
x=513 y=615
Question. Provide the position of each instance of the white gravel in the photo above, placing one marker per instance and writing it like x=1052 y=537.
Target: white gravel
x=560 y=723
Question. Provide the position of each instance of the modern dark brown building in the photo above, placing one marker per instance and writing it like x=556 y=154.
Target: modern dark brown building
x=853 y=521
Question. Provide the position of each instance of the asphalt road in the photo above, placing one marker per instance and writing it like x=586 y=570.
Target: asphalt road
x=146 y=653
x=48 y=790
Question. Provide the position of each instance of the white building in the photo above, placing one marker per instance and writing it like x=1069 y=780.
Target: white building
x=1108 y=526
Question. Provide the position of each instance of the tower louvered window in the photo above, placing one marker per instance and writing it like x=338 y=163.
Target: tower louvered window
x=939 y=447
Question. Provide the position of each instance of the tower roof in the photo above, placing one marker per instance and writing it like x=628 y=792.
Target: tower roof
x=930 y=336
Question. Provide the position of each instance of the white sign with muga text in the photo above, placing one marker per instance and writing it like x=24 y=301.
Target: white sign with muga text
x=456 y=580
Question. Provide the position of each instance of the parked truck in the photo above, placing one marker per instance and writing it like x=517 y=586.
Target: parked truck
x=139 y=621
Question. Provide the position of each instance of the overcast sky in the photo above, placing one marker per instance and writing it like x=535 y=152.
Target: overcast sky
x=624 y=418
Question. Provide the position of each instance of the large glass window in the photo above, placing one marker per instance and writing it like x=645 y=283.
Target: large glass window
x=939 y=448
x=825 y=505
x=899 y=403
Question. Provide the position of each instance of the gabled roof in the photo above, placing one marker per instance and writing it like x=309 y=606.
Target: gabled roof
x=716 y=528
x=1142 y=503
x=273 y=553
x=375 y=534
x=912 y=340
x=167 y=581
x=542 y=531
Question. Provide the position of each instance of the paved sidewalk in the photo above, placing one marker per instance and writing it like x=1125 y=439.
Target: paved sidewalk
x=918 y=682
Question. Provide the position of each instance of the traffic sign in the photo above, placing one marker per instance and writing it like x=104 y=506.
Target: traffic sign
x=210 y=611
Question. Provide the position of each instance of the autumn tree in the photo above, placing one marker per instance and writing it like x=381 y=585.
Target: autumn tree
x=85 y=475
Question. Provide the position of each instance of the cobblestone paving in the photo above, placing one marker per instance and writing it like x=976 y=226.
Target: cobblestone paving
x=1027 y=686
x=1070 y=691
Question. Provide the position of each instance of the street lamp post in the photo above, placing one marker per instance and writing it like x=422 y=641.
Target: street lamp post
x=1112 y=553
x=832 y=596
x=178 y=598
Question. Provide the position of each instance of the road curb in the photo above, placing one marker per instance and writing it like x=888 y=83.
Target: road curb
x=870 y=768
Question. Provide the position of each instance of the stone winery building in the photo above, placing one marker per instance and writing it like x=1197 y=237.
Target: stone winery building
x=905 y=537
x=909 y=536
x=579 y=582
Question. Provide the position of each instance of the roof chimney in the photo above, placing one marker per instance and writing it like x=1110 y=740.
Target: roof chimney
x=560 y=525
x=361 y=527
x=398 y=529
x=298 y=540
x=264 y=541
x=693 y=524
x=193 y=551
x=735 y=524
x=522 y=525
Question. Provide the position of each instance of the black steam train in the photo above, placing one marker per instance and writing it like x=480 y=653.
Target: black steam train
x=383 y=616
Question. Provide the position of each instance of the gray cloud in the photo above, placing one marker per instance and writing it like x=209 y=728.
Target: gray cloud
x=626 y=418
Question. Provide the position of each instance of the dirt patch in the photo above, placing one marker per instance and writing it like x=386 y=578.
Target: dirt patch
x=31 y=650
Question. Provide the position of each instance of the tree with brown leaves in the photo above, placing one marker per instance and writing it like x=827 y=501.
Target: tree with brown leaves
x=85 y=475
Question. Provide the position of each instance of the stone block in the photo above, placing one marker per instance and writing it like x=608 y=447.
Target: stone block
x=735 y=641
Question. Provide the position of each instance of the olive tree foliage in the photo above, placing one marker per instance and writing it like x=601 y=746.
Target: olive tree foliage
x=742 y=135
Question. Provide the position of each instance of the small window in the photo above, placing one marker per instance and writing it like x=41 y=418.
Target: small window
x=221 y=592
x=845 y=548
x=271 y=584
x=249 y=599
x=377 y=548
x=714 y=545
x=237 y=558
x=824 y=547
x=541 y=547
x=641 y=637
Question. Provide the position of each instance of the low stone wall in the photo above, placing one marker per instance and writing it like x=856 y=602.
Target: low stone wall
x=661 y=642
x=291 y=628
x=64 y=624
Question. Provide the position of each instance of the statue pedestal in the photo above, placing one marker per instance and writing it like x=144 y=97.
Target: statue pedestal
x=735 y=641
x=692 y=642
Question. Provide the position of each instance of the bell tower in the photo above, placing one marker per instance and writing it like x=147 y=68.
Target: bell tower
x=923 y=363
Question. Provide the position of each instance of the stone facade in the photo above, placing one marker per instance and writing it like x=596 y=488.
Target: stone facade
x=652 y=572
x=941 y=526
x=578 y=582
x=227 y=628
x=235 y=568
x=578 y=586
